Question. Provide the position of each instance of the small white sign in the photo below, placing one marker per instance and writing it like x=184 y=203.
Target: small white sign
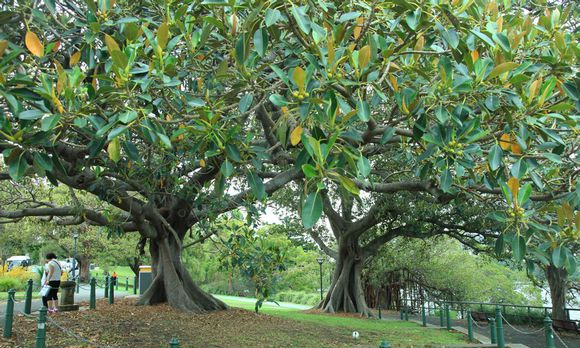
x=41 y=326
x=355 y=335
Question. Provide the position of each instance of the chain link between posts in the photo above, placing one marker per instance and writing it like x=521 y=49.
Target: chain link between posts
x=560 y=339
x=475 y=323
x=520 y=331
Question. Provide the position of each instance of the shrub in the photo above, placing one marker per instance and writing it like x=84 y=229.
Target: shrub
x=299 y=297
x=7 y=283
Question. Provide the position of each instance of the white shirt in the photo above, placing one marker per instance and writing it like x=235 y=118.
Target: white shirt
x=57 y=270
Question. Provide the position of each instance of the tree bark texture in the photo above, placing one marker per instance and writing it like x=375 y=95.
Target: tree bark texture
x=346 y=292
x=173 y=284
x=558 y=287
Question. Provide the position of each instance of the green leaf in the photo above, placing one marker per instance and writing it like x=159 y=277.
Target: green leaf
x=246 y=102
x=233 y=153
x=120 y=59
x=241 y=49
x=519 y=248
x=345 y=17
x=44 y=161
x=227 y=168
x=261 y=41
x=301 y=19
x=519 y=169
x=311 y=209
x=48 y=123
x=524 y=194
x=483 y=37
x=559 y=256
x=31 y=115
x=17 y=167
x=278 y=100
x=363 y=110
x=414 y=18
x=446 y=180
x=128 y=117
x=364 y=166
x=257 y=185
x=495 y=156
x=387 y=135
x=309 y=170
x=553 y=157
x=502 y=41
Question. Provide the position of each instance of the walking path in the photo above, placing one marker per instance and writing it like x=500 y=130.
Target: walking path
x=530 y=336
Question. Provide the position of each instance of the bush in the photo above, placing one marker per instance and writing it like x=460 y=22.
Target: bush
x=7 y=283
x=299 y=297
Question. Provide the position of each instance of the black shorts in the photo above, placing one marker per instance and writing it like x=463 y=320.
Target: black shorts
x=53 y=293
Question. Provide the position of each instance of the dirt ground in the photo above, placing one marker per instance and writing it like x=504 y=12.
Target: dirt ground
x=125 y=325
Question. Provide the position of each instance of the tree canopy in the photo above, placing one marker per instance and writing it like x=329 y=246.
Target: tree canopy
x=176 y=111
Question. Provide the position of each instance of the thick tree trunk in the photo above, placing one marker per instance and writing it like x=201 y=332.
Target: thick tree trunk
x=346 y=292
x=84 y=263
x=558 y=287
x=173 y=284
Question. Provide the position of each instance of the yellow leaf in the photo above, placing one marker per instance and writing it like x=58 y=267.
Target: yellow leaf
x=516 y=149
x=162 y=35
x=364 y=56
x=114 y=150
x=394 y=83
x=505 y=141
x=33 y=44
x=296 y=135
x=534 y=88
x=502 y=68
x=284 y=110
x=420 y=43
x=359 y=26
x=112 y=45
x=330 y=48
x=74 y=59
x=299 y=77
x=202 y=163
x=56 y=46
x=474 y=56
x=3 y=45
x=404 y=106
x=499 y=23
x=234 y=24
x=514 y=185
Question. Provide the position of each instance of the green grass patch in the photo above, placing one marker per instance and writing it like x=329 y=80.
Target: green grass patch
x=19 y=295
x=397 y=332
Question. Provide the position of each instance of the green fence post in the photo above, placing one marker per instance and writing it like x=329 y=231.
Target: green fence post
x=41 y=329
x=402 y=314
x=28 y=300
x=78 y=284
x=93 y=296
x=469 y=325
x=112 y=293
x=134 y=285
x=424 y=316
x=126 y=283
x=106 y=286
x=9 y=315
x=406 y=313
x=441 y=318
x=492 y=332
x=499 y=328
x=448 y=315
x=385 y=344
x=549 y=330
x=174 y=343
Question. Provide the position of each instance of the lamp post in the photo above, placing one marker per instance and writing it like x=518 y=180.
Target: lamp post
x=320 y=261
x=75 y=236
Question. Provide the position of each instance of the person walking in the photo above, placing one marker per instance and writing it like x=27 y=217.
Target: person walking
x=53 y=273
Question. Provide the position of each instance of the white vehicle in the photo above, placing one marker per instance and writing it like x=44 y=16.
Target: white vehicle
x=18 y=261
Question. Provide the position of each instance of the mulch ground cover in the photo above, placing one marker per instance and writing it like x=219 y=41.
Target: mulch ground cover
x=124 y=325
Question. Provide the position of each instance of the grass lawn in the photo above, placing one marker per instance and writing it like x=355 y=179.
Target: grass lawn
x=122 y=272
x=397 y=332
x=125 y=325
x=19 y=295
